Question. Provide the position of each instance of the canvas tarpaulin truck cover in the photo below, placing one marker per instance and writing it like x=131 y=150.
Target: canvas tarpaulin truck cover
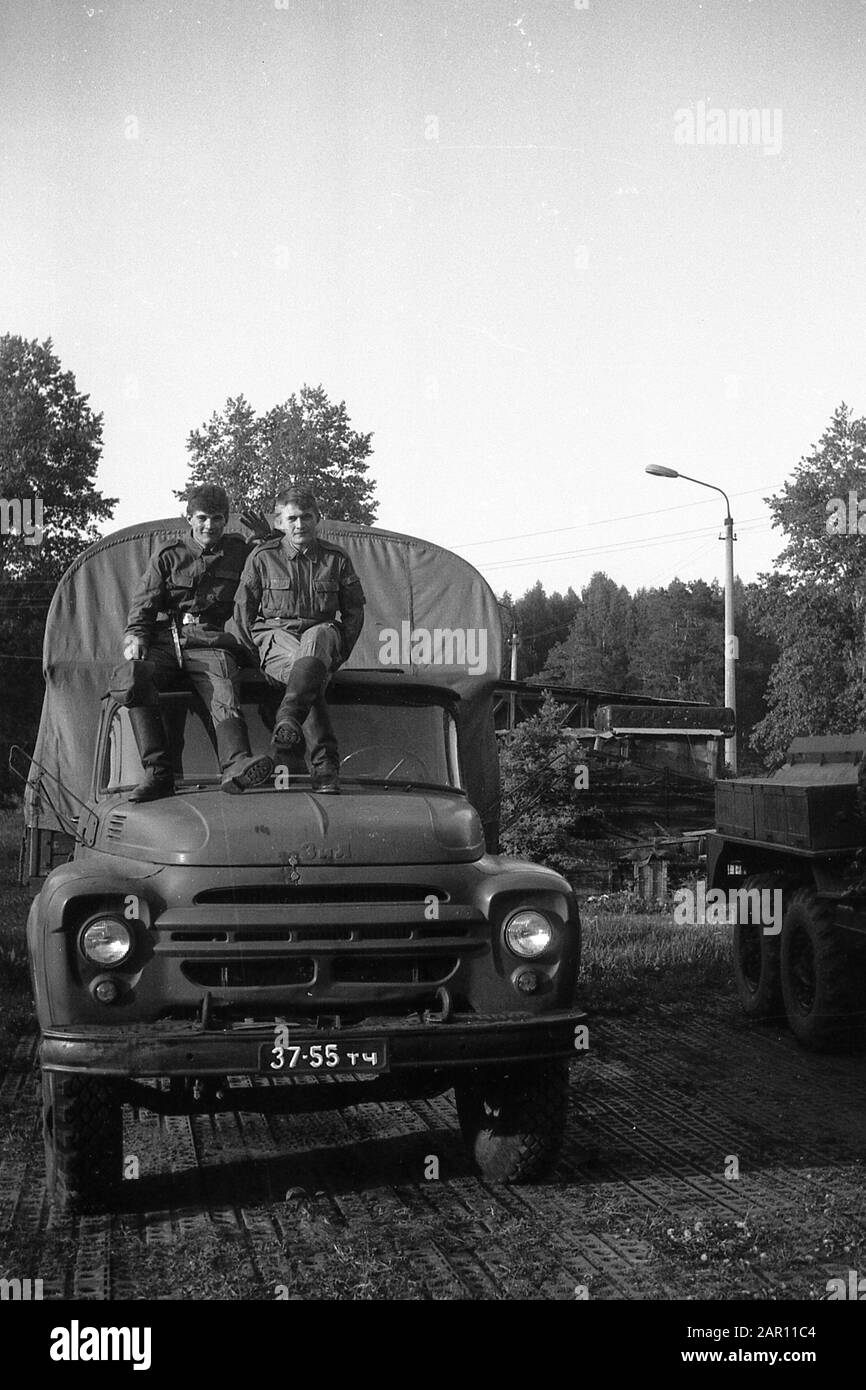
x=412 y=588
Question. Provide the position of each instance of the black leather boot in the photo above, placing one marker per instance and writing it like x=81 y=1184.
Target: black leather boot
x=322 y=743
x=326 y=781
x=152 y=744
x=240 y=770
x=306 y=681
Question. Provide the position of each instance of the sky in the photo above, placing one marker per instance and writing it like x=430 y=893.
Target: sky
x=527 y=243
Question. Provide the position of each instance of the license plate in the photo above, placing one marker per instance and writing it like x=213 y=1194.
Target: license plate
x=370 y=1054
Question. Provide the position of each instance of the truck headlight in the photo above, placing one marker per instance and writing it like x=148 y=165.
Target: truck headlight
x=528 y=933
x=106 y=941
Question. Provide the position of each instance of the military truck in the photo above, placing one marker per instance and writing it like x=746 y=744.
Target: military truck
x=320 y=951
x=798 y=837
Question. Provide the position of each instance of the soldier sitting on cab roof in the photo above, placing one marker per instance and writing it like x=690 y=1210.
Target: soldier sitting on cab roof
x=290 y=593
x=191 y=582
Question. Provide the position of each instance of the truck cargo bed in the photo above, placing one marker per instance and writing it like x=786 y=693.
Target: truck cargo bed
x=811 y=803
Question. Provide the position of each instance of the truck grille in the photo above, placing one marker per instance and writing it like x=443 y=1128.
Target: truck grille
x=381 y=971
x=431 y=931
x=276 y=893
x=274 y=971
x=249 y=974
x=320 y=948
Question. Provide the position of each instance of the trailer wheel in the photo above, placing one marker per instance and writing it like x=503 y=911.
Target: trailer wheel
x=757 y=960
x=513 y=1121
x=821 y=979
x=82 y=1122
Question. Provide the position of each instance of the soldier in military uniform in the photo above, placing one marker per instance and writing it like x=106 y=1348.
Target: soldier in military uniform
x=292 y=588
x=176 y=624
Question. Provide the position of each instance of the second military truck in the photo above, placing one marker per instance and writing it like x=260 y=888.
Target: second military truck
x=791 y=849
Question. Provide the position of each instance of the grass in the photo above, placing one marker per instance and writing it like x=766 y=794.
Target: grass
x=758 y=1257
x=366 y=1264
x=634 y=955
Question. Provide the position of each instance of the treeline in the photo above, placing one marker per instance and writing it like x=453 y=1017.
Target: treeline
x=662 y=641
x=801 y=628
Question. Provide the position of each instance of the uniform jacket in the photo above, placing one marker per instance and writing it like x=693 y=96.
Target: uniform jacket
x=281 y=587
x=182 y=578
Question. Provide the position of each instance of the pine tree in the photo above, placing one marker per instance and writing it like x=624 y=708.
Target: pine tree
x=597 y=651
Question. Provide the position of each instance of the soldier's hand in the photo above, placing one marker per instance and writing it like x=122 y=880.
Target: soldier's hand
x=256 y=522
x=340 y=638
x=134 y=649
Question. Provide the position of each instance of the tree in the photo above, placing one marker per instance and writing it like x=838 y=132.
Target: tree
x=542 y=621
x=678 y=648
x=538 y=804
x=50 y=445
x=758 y=654
x=666 y=642
x=815 y=686
x=307 y=439
x=229 y=449
x=596 y=652
x=813 y=606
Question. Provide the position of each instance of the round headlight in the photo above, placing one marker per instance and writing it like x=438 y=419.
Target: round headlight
x=528 y=933
x=106 y=941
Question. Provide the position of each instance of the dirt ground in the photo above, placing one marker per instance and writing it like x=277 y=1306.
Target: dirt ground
x=705 y=1158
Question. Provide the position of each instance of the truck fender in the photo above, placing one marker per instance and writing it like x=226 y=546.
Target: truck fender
x=52 y=905
x=530 y=880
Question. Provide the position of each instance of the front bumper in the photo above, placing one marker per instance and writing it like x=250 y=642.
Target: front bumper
x=189 y=1050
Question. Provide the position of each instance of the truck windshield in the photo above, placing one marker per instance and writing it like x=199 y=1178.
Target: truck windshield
x=378 y=742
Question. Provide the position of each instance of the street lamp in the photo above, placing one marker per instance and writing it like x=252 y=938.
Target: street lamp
x=731 y=653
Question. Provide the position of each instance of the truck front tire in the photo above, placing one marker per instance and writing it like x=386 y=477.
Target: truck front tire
x=821 y=979
x=757 y=960
x=513 y=1121
x=82 y=1122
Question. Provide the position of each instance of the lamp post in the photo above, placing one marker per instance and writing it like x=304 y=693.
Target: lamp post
x=512 y=698
x=731 y=653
